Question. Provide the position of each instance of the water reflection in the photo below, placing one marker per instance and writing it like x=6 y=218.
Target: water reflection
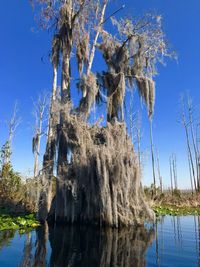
x=176 y=242
x=6 y=237
x=27 y=252
x=83 y=247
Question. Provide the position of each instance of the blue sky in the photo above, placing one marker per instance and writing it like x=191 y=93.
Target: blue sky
x=23 y=75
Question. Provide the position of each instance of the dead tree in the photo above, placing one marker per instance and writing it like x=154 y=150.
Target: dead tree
x=171 y=174
x=174 y=170
x=97 y=175
x=194 y=139
x=40 y=113
x=190 y=172
x=12 y=127
x=185 y=125
x=159 y=174
x=152 y=157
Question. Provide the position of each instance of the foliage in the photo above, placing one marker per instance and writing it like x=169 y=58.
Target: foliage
x=10 y=181
x=5 y=153
x=175 y=211
x=15 y=193
x=13 y=222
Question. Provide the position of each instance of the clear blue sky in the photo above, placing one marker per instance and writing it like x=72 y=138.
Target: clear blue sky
x=23 y=75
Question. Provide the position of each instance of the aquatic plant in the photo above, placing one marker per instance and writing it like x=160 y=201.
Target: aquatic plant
x=175 y=210
x=14 y=222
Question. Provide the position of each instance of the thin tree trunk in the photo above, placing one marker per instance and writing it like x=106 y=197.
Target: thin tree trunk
x=191 y=158
x=49 y=156
x=190 y=172
x=193 y=142
x=152 y=156
x=174 y=169
x=188 y=144
x=159 y=175
x=37 y=152
x=96 y=37
x=53 y=100
x=12 y=125
x=171 y=176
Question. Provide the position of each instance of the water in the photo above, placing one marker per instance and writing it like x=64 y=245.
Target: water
x=172 y=241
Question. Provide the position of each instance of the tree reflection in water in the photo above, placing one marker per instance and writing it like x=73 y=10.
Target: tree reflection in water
x=85 y=247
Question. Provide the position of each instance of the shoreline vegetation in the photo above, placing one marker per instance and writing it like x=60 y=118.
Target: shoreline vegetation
x=24 y=222
x=180 y=203
x=175 y=202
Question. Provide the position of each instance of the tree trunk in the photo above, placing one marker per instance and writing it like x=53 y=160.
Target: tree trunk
x=99 y=185
x=49 y=156
x=152 y=157
x=37 y=152
x=194 y=142
x=159 y=174
x=190 y=172
x=96 y=38
x=171 y=175
x=62 y=179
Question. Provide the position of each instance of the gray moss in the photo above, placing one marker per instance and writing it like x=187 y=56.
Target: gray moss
x=101 y=183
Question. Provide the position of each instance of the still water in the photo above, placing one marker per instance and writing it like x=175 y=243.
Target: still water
x=172 y=241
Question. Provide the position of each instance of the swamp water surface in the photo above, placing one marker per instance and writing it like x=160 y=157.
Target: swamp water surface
x=172 y=241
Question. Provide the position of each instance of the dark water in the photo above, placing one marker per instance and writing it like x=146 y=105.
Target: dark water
x=172 y=241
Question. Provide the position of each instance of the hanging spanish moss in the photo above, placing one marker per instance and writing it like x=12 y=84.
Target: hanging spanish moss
x=98 y=177
x=88 y=86
x=146 y=88
x=55 y=57
x=82 y=52
x=115 y=84
x=101 y=183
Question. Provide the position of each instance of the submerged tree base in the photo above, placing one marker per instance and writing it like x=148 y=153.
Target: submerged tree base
x=98 y=177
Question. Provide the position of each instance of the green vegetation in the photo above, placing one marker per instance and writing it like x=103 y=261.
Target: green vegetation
x=175 y=211
x=16 y=202
x=18 y=195
x=24 y=222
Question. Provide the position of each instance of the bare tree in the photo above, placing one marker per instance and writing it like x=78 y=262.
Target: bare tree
x=194 y=138
x=40 y=113
x=152 y=156
x=190 y=172
x=174 y=170
x=185 y=125
x=12 y=127
x=159 y=174
x=171 y=174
